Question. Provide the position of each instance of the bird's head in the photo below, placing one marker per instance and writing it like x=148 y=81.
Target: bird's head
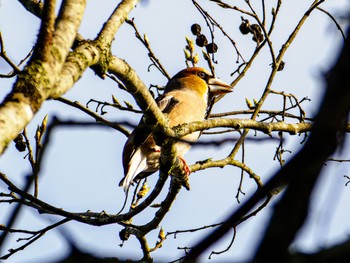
x=199 y=80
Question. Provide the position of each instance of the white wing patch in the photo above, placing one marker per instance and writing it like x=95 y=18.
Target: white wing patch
x=138 y=163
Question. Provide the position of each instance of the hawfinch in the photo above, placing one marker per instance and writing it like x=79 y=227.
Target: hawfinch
x=185 y=99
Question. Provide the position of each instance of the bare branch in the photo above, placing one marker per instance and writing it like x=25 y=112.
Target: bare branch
x=97 y=117
x=34 y=84
x=144 y=40
x=3 y=55
x=334 y=20
x=35 y=236
x=304 y=168
x=114 y=22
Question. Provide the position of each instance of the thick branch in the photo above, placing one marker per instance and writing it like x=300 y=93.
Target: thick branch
x=33 y=6
x=292 y=210
x=85 y=55
x=43 y=48
x=114 y=22
x=66 y=27
x=266 y=127
x=337 y=253
x=140 y=92
x=89 y=54
x=35 y=82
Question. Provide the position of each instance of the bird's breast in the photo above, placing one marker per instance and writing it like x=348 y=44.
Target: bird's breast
x=191 y=107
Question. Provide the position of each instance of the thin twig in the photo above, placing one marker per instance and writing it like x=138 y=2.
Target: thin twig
x=35 y=236
x=152 y=56
x=3 y=54
x=97 y=117
x=334 y=20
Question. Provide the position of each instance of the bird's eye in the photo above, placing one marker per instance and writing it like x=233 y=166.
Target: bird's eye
x=202 y=75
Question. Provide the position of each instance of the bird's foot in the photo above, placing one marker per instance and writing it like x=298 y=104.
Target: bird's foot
x=185 y=166
x=186 y=169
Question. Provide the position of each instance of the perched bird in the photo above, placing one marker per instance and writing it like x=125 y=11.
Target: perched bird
x=185 y=99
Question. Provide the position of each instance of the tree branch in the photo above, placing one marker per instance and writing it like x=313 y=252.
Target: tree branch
x=34 y=84
x=114 y=22
x=292 y=210
x=303 y=170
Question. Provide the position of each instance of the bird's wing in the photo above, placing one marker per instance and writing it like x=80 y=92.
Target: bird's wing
x=137 y=164
x=166 y=103
x=142 y=132
x=133 y=160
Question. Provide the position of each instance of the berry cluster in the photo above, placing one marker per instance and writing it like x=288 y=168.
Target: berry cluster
x=201 y=39
x=19 y=143
x=246 y=28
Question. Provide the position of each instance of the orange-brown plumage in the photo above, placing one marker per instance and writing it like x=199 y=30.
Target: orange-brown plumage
x=185 y=100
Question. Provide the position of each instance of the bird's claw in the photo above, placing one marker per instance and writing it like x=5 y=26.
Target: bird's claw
x=184 y=178
x=185 y=166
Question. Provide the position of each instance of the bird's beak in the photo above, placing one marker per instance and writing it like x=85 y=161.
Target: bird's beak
x=218 y=87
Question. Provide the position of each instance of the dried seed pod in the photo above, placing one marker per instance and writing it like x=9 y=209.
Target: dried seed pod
x=244 y=27
x=21 y=146
x=281 y=66
x=196 y=29
x=257 y=32
x=19 y=143
x=124 y=235
x=211 y=47
x=258 y=38
x=255 y=28
x=19 y=138
x=201 y=40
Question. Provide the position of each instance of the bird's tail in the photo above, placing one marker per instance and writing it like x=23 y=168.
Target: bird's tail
x=138 y=164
